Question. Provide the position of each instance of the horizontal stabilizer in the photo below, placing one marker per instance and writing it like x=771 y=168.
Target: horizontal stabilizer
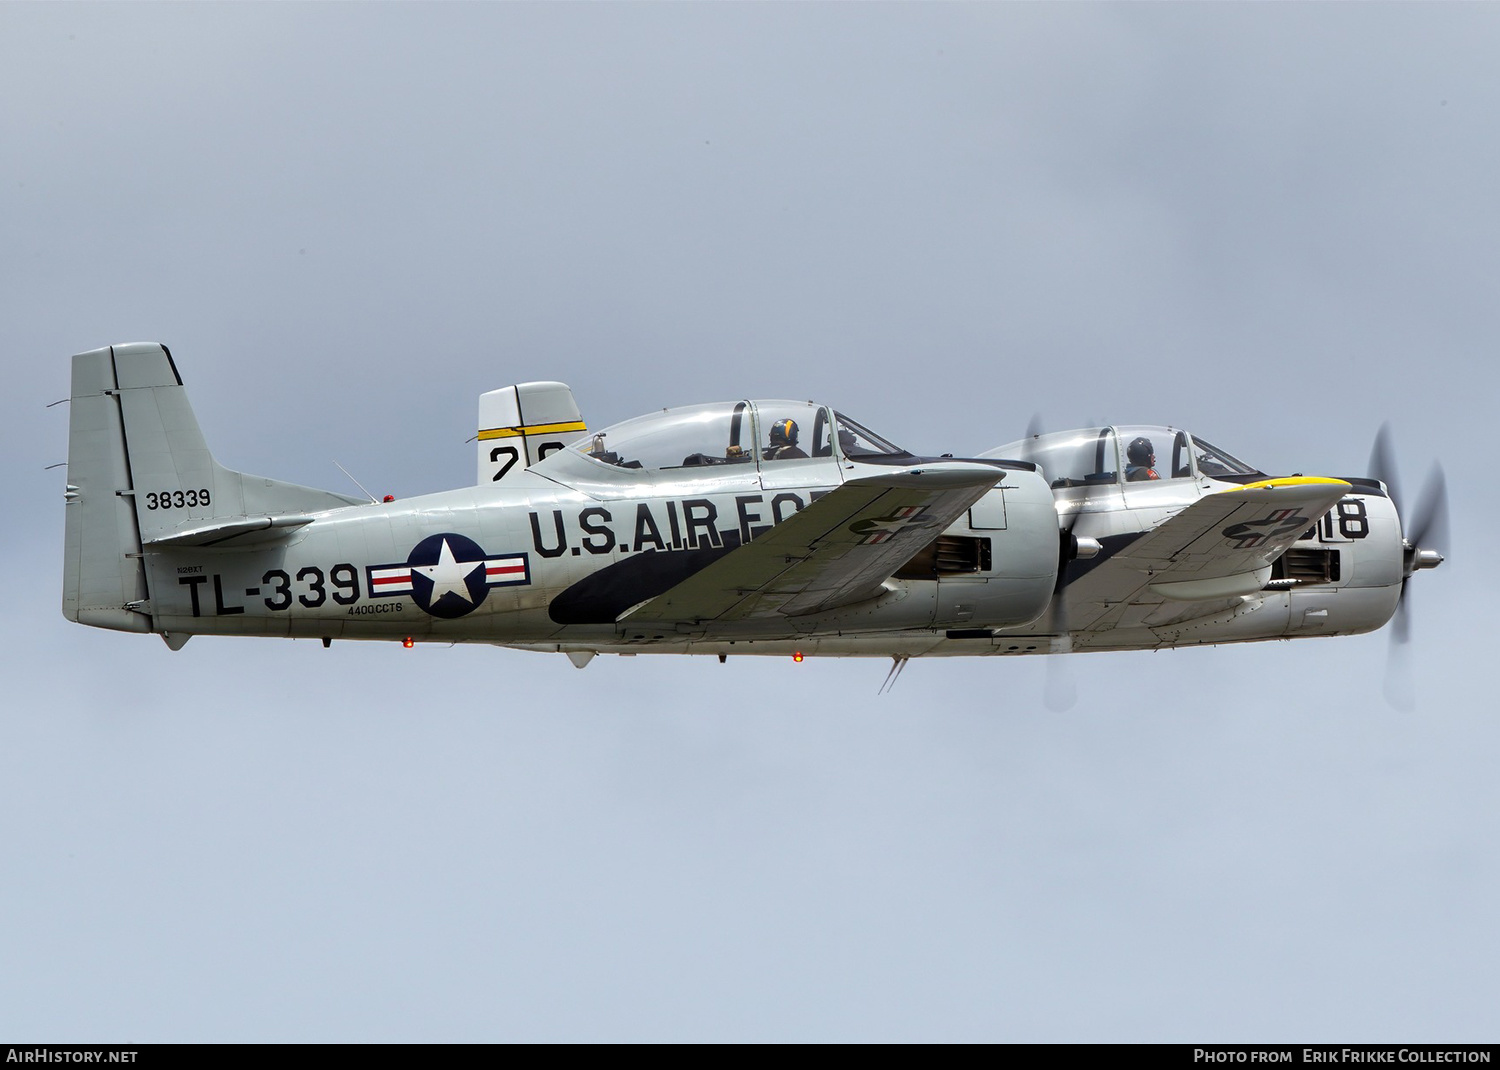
x=221 y=531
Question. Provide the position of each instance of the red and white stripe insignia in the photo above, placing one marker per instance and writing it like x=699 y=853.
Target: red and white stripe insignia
x=511 y=569
x=390 y=580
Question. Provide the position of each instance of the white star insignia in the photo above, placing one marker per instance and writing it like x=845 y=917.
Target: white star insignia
x=448 y=576
x=887 y=524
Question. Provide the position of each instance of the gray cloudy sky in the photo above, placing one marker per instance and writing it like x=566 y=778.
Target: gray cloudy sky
x=1275 y=225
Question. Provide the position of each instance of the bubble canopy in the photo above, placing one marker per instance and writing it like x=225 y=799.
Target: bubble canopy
x=1107 y=456
x=734 y=432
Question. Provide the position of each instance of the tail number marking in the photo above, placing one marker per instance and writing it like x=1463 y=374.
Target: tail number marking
x=276 y=591
x=344 y=577
x=177 y=499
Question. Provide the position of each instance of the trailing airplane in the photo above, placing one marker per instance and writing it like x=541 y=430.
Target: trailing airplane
x=743 y=527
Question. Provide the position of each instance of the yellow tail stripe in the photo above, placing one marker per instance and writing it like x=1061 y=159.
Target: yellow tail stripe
x=532 y=429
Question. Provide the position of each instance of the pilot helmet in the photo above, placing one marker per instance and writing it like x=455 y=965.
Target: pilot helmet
x=1140 y=452
x=784 y=433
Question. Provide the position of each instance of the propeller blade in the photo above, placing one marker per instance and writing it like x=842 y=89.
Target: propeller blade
x=1057 y=609
x=1400 y=691
x=1383 y=463
x=1429 y=524
x=1401 y=622
x=1425 y=528
x=1057 y=615
x=1061 y=691
x=1028 y=444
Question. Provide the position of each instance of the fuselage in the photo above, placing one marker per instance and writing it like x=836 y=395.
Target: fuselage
x=556 y=556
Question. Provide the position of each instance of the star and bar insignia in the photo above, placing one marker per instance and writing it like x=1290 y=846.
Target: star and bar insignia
x=448 y=575
x=1252 y=533
x=884 y=528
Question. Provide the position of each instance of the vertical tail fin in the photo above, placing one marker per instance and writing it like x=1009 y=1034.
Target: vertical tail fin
x=521 y=424
x=139 y=473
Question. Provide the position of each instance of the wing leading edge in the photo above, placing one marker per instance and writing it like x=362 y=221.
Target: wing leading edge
x=836 y=552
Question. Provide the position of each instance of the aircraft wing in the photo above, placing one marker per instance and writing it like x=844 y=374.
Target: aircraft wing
x=1220 y=547
x=837 y=551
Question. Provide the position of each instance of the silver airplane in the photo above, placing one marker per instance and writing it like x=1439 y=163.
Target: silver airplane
x=745 y=527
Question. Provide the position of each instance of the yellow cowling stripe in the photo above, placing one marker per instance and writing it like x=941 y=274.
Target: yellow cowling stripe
x=1294 y=481
x=531 y=429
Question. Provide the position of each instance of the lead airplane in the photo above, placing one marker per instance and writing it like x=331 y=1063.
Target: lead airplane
x=746 y=527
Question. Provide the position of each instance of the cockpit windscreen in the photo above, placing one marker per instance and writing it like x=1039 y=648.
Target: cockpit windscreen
x=1216 y=464
x=856 y=441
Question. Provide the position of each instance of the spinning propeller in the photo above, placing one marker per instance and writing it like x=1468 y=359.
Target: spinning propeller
x=1061 y=691
x=1424 y=545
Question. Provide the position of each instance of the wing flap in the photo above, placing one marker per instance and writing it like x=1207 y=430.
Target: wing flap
x=837 y=551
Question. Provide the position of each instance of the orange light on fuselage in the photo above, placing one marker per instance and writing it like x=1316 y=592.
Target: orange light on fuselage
x=408 y=642
x=797 y=656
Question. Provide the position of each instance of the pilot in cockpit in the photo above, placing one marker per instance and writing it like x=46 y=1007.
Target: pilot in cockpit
x=1140 y=456
x=783 y=445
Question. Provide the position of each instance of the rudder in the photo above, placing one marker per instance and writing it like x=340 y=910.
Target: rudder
x=103 y=576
